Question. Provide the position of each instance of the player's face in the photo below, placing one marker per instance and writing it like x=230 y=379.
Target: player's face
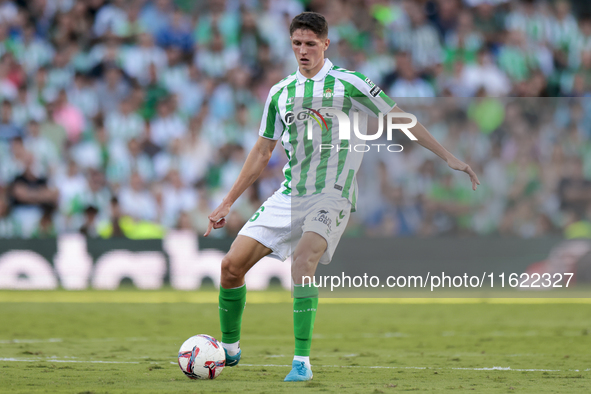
x=308 y=49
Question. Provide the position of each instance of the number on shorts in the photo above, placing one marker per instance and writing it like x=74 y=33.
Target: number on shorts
x=256 y=214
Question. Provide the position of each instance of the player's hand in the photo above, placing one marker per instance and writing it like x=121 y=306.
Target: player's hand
x=217 y=218
x=459 y=165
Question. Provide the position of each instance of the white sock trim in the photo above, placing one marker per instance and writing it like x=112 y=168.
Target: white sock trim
x=231 y=348
x=305 y=359
x=233 y=288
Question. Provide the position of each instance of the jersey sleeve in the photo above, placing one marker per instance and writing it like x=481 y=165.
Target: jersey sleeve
x=271 y=124
x=369 y=97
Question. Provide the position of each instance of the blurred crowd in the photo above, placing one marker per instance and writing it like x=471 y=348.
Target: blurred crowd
x=532 y=157
x=133 y=117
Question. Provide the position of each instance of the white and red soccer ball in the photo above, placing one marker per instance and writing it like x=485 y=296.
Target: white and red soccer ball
x=202 y=357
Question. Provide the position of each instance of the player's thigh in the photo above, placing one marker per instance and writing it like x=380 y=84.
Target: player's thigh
x=244 y=253
x=307 y=254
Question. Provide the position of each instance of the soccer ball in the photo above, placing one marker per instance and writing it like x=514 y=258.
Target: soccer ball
x=202 y=357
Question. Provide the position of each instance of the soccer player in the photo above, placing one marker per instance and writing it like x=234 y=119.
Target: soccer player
x=313 y=204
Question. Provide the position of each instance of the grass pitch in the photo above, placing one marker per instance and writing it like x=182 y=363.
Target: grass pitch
x=126 y=342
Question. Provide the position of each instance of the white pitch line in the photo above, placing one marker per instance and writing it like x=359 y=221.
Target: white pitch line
x=127 y=339
x=434 y=368
x=369 y=367
x=52 y=360
x=320 y=366
x=30 y=340
x=16 y=359
x=314 y=336
x=511 y=369
x=93 y=361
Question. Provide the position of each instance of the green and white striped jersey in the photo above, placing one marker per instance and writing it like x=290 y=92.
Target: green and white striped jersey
x=311 y=170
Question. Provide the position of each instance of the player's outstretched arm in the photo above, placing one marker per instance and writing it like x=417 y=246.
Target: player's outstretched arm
x=425 y=139
x=253 y=166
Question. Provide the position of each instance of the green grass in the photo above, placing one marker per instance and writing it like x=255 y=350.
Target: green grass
x=417 y=345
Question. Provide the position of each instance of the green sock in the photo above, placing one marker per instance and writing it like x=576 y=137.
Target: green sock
x=231 y=306
x=305 y=303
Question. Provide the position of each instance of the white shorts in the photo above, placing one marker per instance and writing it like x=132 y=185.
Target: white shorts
x=280 y=222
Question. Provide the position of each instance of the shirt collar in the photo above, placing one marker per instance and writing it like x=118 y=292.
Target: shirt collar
x=318 y=77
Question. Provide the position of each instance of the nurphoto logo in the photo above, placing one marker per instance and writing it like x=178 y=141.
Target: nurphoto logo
x=319 y=117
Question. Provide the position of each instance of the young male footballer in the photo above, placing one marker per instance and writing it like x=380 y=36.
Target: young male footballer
x=313 y=204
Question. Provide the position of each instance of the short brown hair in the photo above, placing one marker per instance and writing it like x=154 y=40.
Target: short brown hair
x=312 y=21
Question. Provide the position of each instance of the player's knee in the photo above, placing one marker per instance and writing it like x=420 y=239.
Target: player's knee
x=304 y=262
x=231 y=270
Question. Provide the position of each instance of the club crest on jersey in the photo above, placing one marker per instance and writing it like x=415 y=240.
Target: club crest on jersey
x=328 y=93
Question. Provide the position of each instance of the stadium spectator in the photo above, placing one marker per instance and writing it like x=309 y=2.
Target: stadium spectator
x=138 y=58
x=61 y=72
x=191 y=93
x=574 y=190
x=124 y=162
x=175 y=158
x=112 y=227
x=167 y=125
x=31 y=197
x=513 y=56
x=484 y=73
x=197 y=148
x=9 y=226
x=184 y=222
x=104 y=55
x=217 y=59
x=581 y=42
x=399 y=217
x=42 y=148
x=177 y=33
x=176 y=74
x=176 y=198
x=112 y=89
x=26 y=108
x=561 y=30
x=83 y=95
x=445 y=15
x=72 y=187
x=154 y=16
x=132 y=26
x=39 y=89
x=464 y=41
x=32 y=51
x=137 y=201
x=110 y=18
x=98 y=194
x=13 y=72
x=250 y=39
x=152 y=94
x=89 y=228
x=8 y=12
x=68 y=116
x=420 y=38
x=124 y=124
x=408 y=83
x=8 y=129
x=46 y=227
x=379 y=61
